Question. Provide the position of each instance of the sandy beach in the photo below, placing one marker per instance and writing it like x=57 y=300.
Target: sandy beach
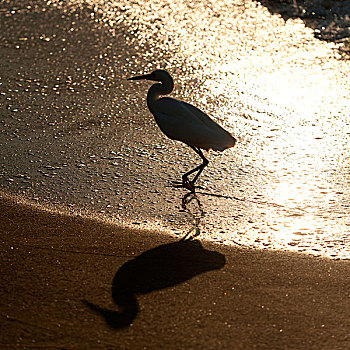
x=63 y=276
x=77 y=137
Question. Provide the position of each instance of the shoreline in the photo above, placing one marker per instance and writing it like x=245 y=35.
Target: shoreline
x=74 y=283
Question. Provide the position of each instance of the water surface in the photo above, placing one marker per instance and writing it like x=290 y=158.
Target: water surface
x=76 y=135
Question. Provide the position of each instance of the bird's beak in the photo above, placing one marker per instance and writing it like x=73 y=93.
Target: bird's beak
x=141 y=77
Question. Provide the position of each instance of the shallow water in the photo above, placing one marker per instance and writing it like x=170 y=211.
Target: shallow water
x=75 y=134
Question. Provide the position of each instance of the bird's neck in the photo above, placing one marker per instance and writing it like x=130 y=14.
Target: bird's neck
x=156 y=91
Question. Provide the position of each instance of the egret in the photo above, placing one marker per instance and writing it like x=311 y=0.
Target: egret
x=183 y=122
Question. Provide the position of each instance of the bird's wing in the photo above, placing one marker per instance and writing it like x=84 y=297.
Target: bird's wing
x=184 y=122
x=203 y=117
x=172 y=107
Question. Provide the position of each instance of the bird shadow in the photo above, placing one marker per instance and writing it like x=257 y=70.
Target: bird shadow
x=158 y=268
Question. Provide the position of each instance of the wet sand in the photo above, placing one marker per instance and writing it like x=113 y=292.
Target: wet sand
x=62 y=277
x=75 y=133
x=75 y=283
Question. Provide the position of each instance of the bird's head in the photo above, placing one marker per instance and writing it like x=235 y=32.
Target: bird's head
x=157 y=75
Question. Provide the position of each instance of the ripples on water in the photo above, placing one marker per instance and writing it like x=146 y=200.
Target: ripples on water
x=277 y=88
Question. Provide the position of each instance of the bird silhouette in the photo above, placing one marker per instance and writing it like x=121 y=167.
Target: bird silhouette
x=183 y=122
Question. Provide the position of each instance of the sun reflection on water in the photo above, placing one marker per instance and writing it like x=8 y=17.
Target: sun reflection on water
x=275 y=86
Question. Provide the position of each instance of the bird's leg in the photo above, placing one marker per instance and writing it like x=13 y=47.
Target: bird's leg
x=185 y=181
x=202 y=166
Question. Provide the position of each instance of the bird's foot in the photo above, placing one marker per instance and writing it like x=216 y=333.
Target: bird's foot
x=177 y=184
x=188 y=184
x=184 y=184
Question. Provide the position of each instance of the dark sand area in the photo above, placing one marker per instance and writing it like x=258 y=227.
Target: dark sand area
x=62 y=277
x=69 y=282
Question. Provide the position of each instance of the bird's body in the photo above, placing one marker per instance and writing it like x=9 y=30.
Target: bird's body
x=183 y=122
x=197 y=129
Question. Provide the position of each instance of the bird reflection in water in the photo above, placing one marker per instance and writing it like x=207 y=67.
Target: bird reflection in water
x=196 y=214
x=158 y=268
